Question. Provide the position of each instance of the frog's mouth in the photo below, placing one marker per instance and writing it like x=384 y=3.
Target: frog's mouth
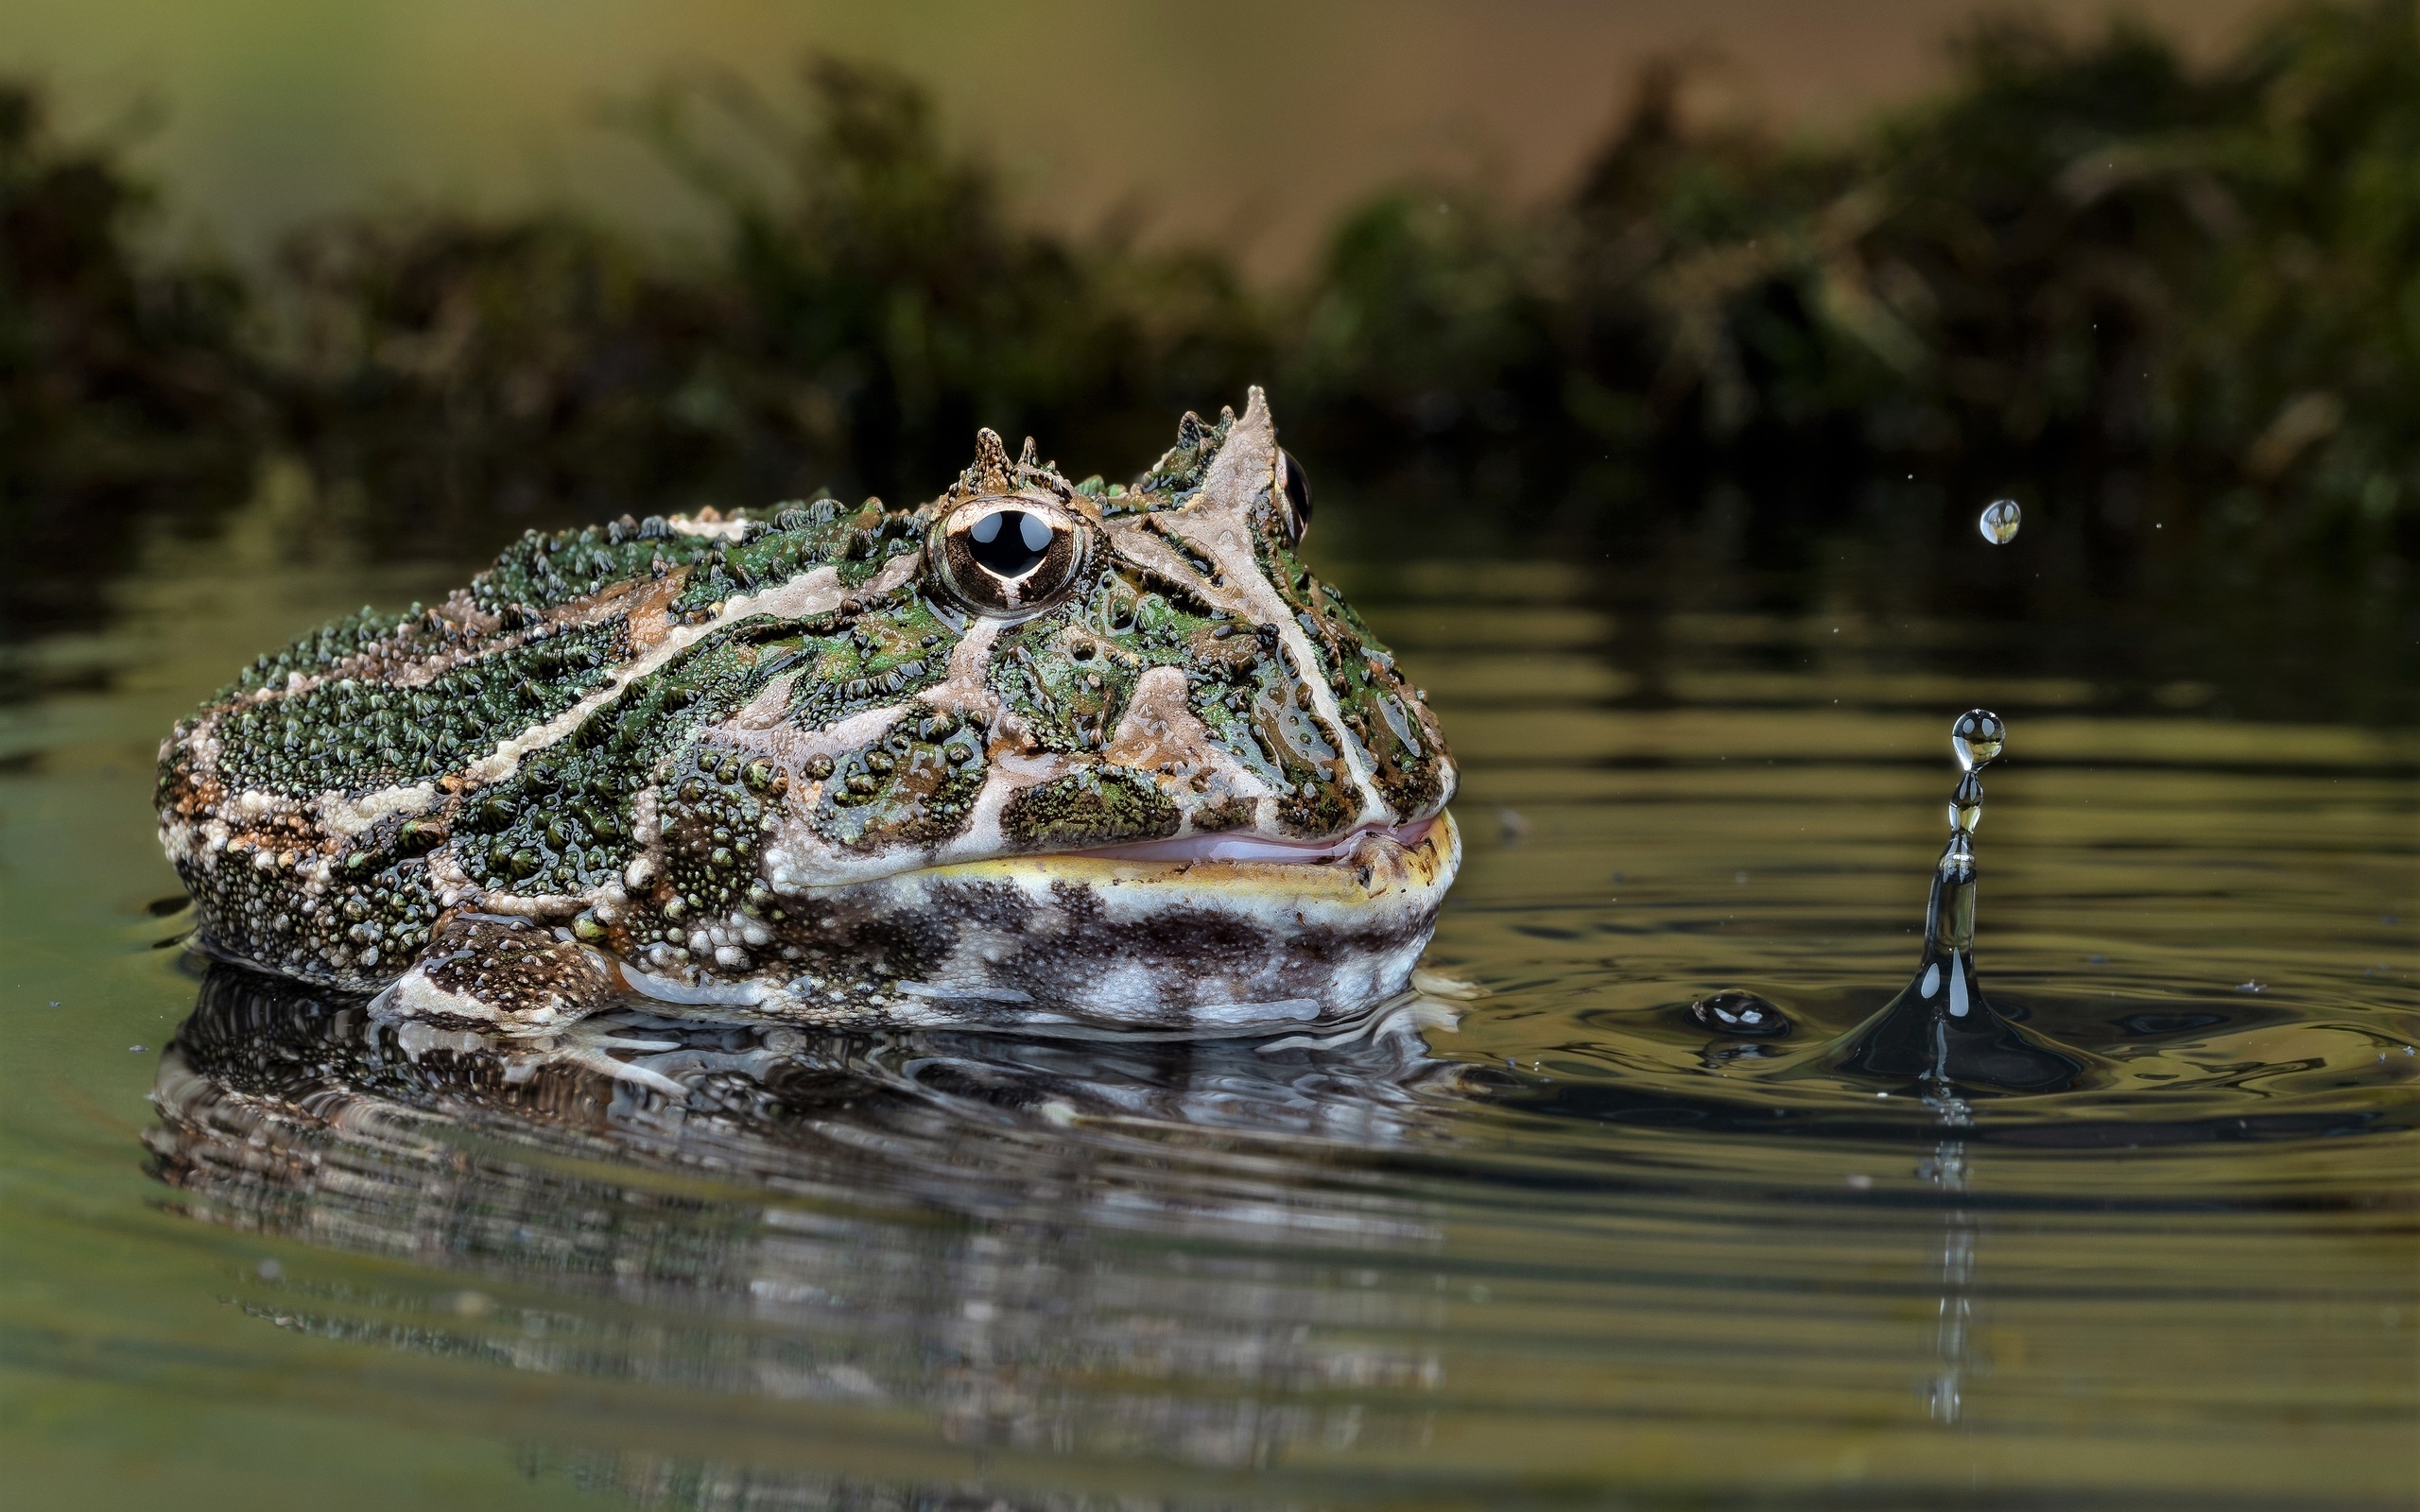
x=1395 y=867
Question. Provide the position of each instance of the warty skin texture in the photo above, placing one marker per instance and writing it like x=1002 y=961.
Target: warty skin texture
x=1035 y=752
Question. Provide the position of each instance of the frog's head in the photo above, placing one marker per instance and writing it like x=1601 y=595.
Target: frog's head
x=1136 y=694
x=1164 y=662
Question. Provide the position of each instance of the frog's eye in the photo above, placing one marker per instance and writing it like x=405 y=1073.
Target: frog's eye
x=1011 y=557
x=1296 y=486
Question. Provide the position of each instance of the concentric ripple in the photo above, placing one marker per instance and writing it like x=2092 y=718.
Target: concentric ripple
x=1567 y=1244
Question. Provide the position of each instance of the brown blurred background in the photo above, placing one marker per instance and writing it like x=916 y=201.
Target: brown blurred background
x=1250 y=124
x=1730 y=293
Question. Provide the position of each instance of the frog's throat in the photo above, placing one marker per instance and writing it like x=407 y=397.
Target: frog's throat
x=1171 y=946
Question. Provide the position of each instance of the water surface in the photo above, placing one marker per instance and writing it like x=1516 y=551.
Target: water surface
x=1553 y=1245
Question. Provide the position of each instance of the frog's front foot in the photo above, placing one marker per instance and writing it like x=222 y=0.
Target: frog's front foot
x=518 y=991
x=499 y=976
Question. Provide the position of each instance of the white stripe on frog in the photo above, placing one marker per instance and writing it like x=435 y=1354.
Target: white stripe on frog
x=1216 y=522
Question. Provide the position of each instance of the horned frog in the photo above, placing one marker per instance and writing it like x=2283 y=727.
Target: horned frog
x=1037 y=752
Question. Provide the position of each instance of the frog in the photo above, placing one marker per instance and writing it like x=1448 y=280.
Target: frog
x=1035 y=754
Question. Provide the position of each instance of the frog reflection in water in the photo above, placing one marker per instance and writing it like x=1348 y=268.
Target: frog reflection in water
x=1003 y=1232
x=1035 y=752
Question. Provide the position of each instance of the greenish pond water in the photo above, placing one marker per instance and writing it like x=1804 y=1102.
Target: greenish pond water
x=1555 y=1246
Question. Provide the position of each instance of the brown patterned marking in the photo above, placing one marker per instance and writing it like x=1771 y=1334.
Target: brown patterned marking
x=646 y=601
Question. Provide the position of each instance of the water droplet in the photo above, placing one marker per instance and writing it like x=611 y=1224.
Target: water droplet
x=1978 y=737
x=1999 y=521
x=1966 y=804
x=1742 y=1015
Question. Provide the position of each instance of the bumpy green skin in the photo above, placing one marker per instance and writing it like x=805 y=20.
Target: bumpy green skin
x=353 y=733
x=1099 y=805
x=683 y=743
x=916 y=786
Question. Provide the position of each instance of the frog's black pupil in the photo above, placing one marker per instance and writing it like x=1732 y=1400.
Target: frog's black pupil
x=1010 y=542
x=1298 y=493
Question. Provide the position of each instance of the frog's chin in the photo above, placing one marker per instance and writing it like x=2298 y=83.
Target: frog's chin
x=1177 y=939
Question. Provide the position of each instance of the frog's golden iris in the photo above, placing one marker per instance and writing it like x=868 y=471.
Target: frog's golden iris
x=1012 y=557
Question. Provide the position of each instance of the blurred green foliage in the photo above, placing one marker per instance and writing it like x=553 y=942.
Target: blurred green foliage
x=127 y=389
x=2188 y=297
x=2082 y=260
x=871 y=303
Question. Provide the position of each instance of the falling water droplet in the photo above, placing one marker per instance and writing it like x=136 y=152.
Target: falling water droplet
x=1978 y=737
x=1966 y=804
x=1742 y=1015
x=1999 y=521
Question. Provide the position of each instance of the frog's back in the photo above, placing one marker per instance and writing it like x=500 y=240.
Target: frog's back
x=316 y=805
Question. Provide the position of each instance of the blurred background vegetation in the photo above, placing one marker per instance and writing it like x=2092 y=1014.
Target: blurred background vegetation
x=2174 y=307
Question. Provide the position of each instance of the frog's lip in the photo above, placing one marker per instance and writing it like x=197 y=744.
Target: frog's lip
x=1193 y=850
x=1408 y=863
x=1220 y=861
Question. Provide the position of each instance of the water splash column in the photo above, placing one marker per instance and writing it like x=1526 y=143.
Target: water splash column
x=1948 y=973
x=1941 y=1032
x=1977 y=738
